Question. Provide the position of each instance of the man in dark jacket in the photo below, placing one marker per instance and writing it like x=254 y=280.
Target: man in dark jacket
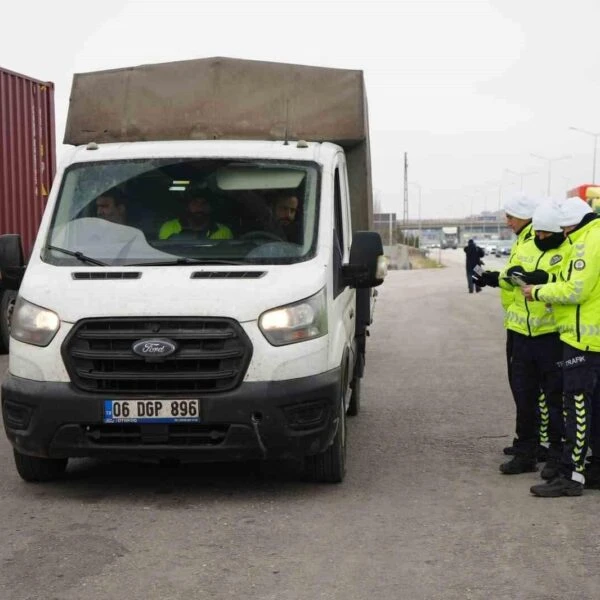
x=474 y=255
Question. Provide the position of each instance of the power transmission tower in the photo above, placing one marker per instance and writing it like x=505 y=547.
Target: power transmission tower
x=405 y=213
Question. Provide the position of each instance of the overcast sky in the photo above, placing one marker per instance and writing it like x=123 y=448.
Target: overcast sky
x=468 y=88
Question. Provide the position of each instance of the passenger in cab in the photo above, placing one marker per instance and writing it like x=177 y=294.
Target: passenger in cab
x=111 y=206
x=195 y=222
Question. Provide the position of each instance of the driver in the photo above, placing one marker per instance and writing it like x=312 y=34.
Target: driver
x=285 y=208
x=273 y=214
x=195 y=222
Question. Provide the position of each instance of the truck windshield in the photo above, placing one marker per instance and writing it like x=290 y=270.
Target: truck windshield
x=185 y=211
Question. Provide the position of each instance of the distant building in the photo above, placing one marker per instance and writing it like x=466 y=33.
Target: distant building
x=381 y=220
x=385 y=225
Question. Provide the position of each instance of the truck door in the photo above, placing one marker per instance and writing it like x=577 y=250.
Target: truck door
x=343 y=296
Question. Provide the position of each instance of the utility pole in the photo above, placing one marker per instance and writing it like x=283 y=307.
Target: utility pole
x=550 y=161
x=405 y=212
x=521 y=175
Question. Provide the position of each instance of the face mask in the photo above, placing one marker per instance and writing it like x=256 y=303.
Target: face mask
x=551 y=242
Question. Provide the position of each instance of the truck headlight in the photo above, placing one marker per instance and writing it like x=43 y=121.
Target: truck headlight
x=33 y=324
x=298 y=322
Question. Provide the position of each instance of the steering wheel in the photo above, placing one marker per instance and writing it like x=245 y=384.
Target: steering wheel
x=256 y=236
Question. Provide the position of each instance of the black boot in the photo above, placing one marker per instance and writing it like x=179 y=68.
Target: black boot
x=510 y=450
x=560 y=486
x=519 y=464
x=550 y=470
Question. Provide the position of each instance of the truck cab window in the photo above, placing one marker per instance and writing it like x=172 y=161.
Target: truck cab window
x=206 y=210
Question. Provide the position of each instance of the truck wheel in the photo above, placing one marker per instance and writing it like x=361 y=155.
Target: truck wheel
x=37 y=469
x=7 y=304
x=354 y=404
x=330 y=466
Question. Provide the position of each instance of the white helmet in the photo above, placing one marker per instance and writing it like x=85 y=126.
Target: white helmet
x=546 y=216
x=520 y=206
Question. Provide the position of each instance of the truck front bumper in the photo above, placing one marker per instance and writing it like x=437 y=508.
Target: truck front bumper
x=268 y=420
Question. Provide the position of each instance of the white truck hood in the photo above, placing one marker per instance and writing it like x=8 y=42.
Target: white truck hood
x=169 y=291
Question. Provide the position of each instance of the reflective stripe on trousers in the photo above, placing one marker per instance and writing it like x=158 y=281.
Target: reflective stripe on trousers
x=581 y=374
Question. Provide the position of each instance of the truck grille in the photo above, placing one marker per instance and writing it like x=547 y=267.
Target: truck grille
x=212 y=355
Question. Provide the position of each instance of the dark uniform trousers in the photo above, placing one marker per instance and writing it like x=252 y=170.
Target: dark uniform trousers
x=581 y=376
x=509 y=350
x=536 y=379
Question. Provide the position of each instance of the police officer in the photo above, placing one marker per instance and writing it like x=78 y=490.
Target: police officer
x=519 y=211
x=536 y=375
x=575 y=298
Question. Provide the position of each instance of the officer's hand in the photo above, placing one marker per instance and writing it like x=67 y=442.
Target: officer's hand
x=517 y=271
x=527 y=291
x=477 y=276
x=486 y=278
x=536 y=277
x=491 y=278
x=477 y=280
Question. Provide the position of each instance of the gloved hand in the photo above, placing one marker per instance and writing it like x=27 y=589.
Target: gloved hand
x=536 y=277
x=516 y=270
x=486 y=278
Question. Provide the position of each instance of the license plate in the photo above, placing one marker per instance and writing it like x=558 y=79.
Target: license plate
x=152 y=411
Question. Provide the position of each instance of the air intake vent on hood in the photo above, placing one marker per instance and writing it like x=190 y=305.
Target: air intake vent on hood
x=107 y=275
x=227 y=274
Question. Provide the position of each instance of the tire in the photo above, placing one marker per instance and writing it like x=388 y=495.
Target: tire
x=354 y=404
x=330 y=466
x=36 y=469
x=7 y=304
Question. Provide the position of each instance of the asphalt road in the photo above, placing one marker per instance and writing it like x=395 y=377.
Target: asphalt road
x=423 y=514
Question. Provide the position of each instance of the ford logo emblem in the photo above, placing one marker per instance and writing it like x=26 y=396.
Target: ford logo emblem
x=154 y=347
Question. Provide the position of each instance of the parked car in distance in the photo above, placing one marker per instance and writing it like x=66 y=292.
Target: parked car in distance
x=503 y=248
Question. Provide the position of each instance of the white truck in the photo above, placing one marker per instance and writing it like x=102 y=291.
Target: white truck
x=449 y=238
x=131 y=343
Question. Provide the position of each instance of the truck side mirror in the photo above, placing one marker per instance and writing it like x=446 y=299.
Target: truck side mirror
x=12 y=265
x=367 y=266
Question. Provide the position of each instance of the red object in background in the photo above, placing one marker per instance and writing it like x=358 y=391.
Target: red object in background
x=586 y=192
x=27 y=153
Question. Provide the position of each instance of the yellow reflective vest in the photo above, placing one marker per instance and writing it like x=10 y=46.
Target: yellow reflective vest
x=535 y=318
x=172 y=227
x=507 y=289
x=575 y=296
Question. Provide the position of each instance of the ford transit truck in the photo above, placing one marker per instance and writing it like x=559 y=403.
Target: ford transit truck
x=166 y=313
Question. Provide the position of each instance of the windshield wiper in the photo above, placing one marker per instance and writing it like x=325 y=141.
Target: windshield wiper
x=79 y=256
x=184 y=261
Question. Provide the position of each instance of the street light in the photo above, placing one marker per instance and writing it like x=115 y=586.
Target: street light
x=595 y=136
x=419 y=209
x=550 y=161
x=521 y=175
